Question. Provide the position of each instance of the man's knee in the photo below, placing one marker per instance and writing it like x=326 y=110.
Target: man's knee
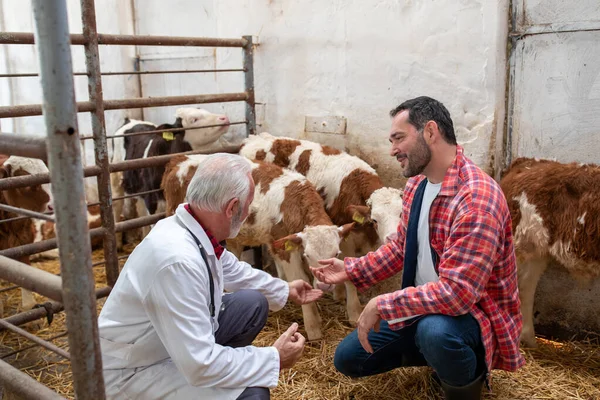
x=345 y=362
x=433 y=337
x=257 y=302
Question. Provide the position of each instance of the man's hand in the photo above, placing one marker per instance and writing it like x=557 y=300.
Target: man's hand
x=290 y=346
x=332 y=272
x=369 y=319
x=301 y=292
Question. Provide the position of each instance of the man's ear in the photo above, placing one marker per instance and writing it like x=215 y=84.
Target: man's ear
x=232 y=207
x=431 y=132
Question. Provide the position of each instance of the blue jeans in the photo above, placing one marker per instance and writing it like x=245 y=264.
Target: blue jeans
x=450 y=345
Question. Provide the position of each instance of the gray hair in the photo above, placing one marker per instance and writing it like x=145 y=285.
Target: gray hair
x=219 y=178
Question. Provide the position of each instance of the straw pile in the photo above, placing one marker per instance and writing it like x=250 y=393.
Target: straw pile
x=569 y=370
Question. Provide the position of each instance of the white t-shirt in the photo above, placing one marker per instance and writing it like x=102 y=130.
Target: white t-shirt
x=425 y=268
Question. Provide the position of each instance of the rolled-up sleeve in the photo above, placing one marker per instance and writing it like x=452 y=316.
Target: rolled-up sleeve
x=241 y=275
x=177 y=306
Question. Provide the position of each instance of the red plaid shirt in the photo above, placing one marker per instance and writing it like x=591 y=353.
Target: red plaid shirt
x=219 y=249
x=470 y=230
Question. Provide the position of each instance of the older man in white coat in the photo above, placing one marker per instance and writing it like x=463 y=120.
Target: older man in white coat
x=168 y=331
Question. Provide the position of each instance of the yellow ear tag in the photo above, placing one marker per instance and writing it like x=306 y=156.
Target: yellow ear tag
x=289 y=245
x=168 y=136
x=358 y=218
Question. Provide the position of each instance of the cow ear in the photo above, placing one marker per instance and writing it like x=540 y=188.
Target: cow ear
x=5 y=171
x=345 y=230
x=360 y=214
x=288 y=243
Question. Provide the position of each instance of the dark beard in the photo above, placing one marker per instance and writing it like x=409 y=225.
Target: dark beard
x=418 y=160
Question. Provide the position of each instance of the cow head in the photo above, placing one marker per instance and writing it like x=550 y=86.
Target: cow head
x=318 y=242
x=35 y=198
x=194 y=119
x=383 y=210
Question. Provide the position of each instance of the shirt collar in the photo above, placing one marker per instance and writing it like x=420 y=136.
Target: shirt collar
x=218 y=247
x=451 y=180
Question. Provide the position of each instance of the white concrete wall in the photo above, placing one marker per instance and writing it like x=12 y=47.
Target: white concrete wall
x=353 y=59
x=113 y=16
x=356 y=59
x=556 y=108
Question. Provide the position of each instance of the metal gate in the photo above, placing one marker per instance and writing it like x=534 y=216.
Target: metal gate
x=74 y=290
x=554 y=81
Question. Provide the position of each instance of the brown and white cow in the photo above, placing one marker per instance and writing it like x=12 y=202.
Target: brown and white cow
x=342 y=180
x=556 y=214
x=35 y=198
x=287 y=215
x=194 y=137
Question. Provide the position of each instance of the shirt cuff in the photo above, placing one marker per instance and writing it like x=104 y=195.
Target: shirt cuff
x=274 y=378
x=353 y=266
x=387 y=307
x=280 y=299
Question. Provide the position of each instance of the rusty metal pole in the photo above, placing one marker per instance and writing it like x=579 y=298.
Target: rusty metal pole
x=66 y=174
x=249 y=86
x=251 y=113
x=92 y=63
x=23 y=386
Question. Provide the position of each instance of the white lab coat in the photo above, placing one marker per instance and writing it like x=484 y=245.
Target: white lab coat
x=156 y=333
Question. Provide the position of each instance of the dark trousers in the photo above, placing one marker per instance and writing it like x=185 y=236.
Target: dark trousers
x=450 y=345
x=243 y=317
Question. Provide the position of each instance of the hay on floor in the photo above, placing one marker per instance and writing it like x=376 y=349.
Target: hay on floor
x=555 y=370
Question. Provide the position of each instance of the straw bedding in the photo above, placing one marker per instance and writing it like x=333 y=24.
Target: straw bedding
x=556 y=370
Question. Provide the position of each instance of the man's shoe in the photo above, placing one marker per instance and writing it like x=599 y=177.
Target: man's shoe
x=471 y=391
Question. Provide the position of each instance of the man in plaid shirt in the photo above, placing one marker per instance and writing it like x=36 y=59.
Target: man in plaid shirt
x=458 y=310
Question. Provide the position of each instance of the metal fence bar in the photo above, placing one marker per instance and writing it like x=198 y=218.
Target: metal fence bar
x=33 y=279
x=174 y=130
x=249 y=86
x=64 y=155
x=22 y=349
x=98 y=263
x=29 y=110
x=92 y=64
x=23 y=145
x=24 y=386
x=119 y=73
x=45 y=245
x=35 y=339
x=22 y=218
x=27 y=213
x=38 y=179
x=37 y=313
x=130 y=40
x=127 y=196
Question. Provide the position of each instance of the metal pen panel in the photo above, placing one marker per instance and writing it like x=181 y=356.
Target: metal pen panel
x=249 y=86
x=92 y=63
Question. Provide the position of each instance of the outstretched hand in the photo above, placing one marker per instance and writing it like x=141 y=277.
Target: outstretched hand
x=333 y=271
x=301 y=292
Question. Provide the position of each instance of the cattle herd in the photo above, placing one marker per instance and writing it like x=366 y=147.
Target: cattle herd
x=314 y=202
